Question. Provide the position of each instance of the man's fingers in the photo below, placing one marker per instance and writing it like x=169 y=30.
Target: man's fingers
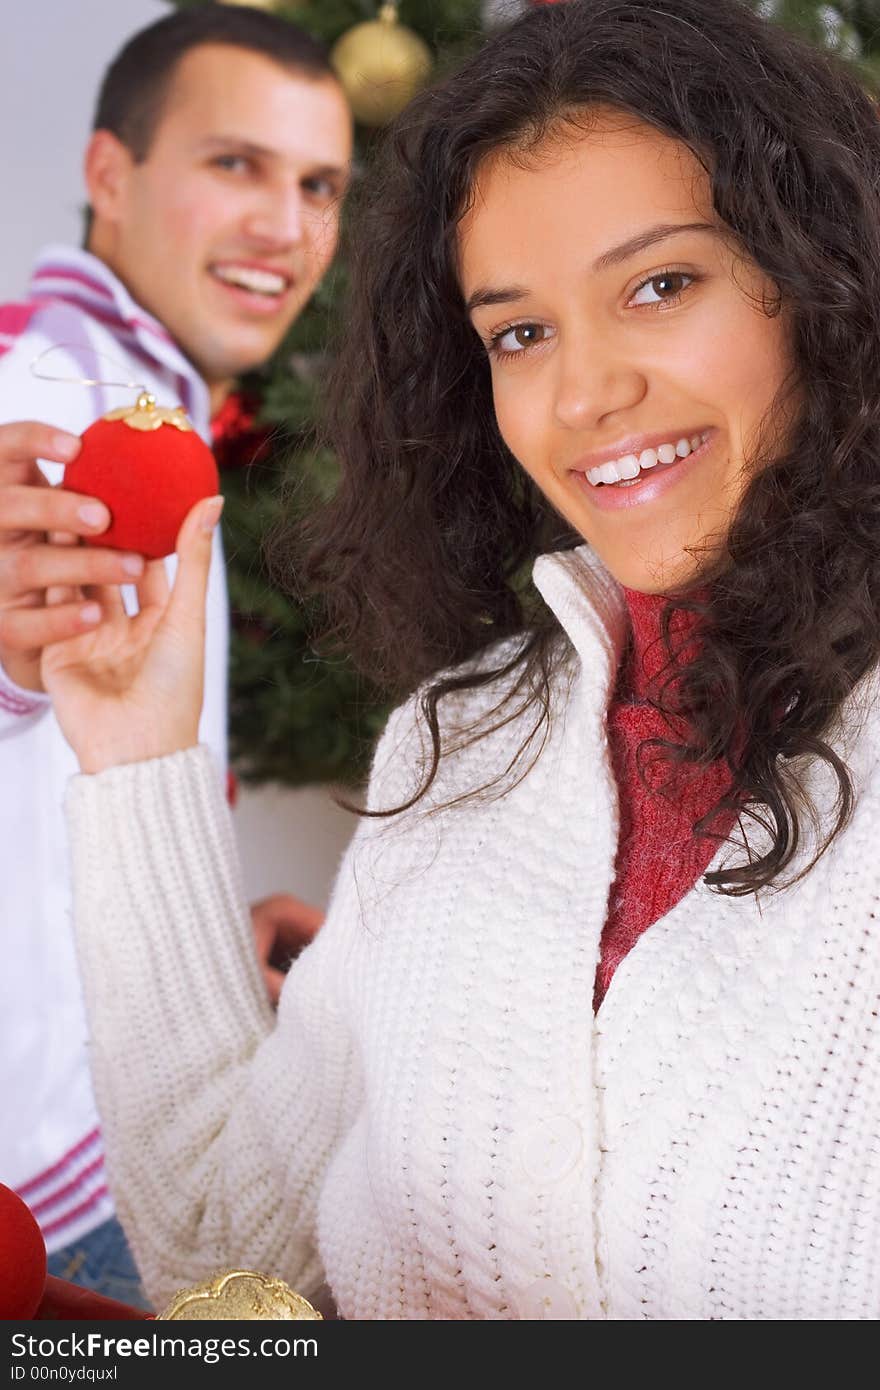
x=290 y=916
x=109 y=597
x=273 y=980
x=26 y=507
x=282 y=926
x=30 y=629
x=23 y=442
x=37 y=567
x=62 y=593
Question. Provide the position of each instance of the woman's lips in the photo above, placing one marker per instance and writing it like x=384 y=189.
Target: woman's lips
x=647 y=487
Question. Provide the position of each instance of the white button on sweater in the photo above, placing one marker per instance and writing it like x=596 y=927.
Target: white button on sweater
x=713 y=1134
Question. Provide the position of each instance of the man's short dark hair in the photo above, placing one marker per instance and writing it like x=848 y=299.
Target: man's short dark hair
x=136 y=84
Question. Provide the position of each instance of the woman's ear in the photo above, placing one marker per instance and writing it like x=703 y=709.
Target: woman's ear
x=107 y=167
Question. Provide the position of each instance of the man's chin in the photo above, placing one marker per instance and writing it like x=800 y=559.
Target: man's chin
x=223 y=371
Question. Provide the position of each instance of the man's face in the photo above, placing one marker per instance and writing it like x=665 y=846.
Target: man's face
x=223 y=231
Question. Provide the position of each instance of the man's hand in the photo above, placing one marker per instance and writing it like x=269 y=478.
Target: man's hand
x=44 y=571
x=282 y=927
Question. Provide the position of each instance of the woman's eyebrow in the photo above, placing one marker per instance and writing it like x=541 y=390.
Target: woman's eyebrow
x=642 y=240
x=509 y=294
x=505 y=294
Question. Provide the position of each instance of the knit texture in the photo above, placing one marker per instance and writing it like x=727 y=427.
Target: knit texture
x=436 y=1122
x=659 y=855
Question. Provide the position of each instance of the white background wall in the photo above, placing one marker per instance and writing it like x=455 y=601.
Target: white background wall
x=52 y=56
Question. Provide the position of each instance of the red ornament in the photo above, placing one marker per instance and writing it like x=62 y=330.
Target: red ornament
x=150 y=467
x=22 y=1259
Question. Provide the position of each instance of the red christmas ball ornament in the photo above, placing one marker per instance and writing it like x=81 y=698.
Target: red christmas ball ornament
x=149 y=466
x=22 y=1259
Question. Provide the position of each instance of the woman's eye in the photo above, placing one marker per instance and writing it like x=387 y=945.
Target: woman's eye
x=517 y=338
x=669 y=285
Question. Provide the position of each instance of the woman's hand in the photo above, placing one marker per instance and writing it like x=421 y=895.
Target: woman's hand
x=131 y=689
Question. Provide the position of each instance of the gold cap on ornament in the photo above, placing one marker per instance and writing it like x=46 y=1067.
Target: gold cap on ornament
x=145 y=414
x=240 y=1294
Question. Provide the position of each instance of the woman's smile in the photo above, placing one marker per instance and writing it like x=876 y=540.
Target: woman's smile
x=642 y=472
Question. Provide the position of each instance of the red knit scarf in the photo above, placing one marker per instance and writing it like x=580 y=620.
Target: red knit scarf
x=659 y=858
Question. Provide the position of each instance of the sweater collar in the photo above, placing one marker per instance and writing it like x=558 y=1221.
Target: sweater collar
x=601 y=618
x=590 y=606
x=592 y=609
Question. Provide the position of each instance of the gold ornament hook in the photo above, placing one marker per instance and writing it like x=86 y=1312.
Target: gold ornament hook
x=145 y=414
x=81 y=380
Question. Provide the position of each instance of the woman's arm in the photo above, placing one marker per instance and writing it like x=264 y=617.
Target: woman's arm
x=219 y=1122
x=219 y=1119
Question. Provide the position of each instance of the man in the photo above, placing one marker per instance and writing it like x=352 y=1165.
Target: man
x=221 y=150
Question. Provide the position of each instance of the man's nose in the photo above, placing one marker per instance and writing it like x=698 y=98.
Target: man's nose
x=593 y=380
x=278 y=216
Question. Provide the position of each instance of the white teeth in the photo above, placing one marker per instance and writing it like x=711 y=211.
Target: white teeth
x=247 y=278
x=628 y=466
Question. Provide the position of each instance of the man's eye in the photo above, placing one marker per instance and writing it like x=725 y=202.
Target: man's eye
x=235 y=163
x=320 y=188
x=665 y=287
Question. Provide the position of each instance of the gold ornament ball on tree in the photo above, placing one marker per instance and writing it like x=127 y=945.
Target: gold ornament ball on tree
x=381 y=64
x=268 y=4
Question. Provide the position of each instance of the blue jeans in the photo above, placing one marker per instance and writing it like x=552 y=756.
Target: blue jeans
x=102 y=1262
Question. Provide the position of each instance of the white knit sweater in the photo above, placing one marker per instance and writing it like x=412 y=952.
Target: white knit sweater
x=436 y=1123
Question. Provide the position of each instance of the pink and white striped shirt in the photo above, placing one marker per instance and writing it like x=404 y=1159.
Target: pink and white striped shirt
x=51 y=1150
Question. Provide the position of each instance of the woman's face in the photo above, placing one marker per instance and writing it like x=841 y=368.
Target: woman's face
x=634 y=365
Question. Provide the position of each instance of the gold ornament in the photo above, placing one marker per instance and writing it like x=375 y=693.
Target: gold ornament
x=239 y=1294
x=145 y=414
x=381 y=64
x=269 y=4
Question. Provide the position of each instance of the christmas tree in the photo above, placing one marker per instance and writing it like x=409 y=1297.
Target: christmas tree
x=299 y=715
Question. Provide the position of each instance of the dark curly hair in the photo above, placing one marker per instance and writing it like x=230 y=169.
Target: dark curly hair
x=421 y=553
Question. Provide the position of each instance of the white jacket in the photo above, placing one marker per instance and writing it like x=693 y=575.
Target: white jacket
x=436 y=1122
x=50 y=1145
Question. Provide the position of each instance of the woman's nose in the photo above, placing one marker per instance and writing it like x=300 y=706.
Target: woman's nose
x=592 y=383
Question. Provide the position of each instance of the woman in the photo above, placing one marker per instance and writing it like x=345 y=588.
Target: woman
x=592 y=1027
